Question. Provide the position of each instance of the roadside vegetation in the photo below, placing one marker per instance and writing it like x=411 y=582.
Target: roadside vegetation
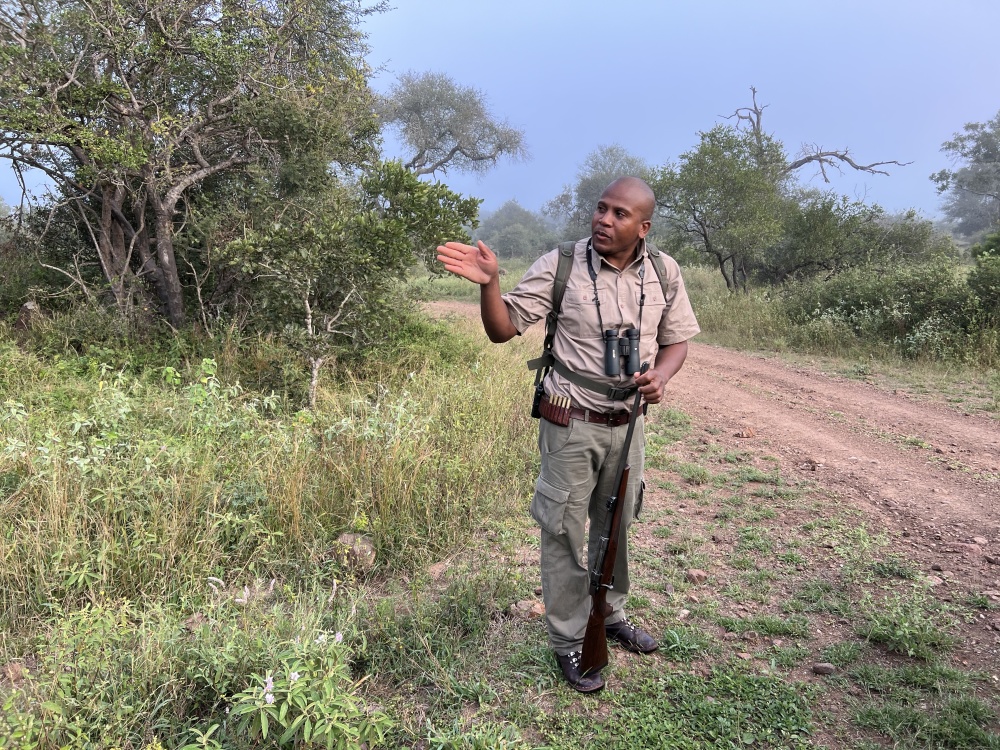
x=174 y=571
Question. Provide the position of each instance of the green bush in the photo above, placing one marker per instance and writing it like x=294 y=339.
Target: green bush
x=121 y=673
x=914 y=624
x=922 y=310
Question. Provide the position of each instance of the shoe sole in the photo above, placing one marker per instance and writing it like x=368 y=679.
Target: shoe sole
x=585 y=691
x=634 y=649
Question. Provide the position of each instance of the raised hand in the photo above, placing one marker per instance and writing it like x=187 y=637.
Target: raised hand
x=477 y=264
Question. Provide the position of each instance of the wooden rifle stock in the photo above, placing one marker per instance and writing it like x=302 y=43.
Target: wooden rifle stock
x=602 y=574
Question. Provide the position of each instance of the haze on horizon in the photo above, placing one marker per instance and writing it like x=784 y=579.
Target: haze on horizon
x=890 y=80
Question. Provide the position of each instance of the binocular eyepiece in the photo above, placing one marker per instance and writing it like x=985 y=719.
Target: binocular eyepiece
x=617 y=347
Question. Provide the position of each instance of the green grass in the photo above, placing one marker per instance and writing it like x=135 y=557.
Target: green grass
x=169 y=540
x=729 y=709
x=793 y=627
x=910 y=623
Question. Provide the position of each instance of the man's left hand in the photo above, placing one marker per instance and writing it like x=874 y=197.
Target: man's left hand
x=668 y=361
x=651 y=385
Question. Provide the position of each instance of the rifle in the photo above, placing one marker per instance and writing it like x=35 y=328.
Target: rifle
x=602 y=574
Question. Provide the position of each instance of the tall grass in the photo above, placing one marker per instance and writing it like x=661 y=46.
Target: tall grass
x=908 y=321
x=169 y=539
x=140 y=486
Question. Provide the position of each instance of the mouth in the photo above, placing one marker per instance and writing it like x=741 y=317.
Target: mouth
x=601 y=235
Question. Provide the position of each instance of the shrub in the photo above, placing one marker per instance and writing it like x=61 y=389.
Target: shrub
x=923 y=310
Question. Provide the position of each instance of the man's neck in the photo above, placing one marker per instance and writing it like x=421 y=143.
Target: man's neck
x=621 y=262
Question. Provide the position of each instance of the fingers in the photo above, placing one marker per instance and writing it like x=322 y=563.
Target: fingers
x=651 y=386
x=454 y=251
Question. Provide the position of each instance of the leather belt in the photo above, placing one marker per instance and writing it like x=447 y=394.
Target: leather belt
x=562 y=415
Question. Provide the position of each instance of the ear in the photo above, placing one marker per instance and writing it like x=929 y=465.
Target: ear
x=644 y=228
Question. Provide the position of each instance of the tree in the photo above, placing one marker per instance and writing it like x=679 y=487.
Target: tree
x=984 y=279
x=750 y=118
x=973 y=189
x=324 y=268
x=130 y=105
x=726 y=196
x=447 y=126
x=823 y=234
x=515 y=232
x=574 y=206
x=733 y=196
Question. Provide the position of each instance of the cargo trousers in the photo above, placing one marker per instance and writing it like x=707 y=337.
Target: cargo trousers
x=579 y=463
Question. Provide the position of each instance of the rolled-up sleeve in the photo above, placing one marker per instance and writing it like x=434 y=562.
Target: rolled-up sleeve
x=531 y=299
x=678 y=322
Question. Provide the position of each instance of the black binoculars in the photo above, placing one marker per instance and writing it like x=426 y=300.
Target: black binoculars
x=616 y=347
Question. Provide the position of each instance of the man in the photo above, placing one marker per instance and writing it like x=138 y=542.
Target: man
x=612 y=286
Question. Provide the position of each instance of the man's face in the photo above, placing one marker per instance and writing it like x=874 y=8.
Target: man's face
x=619 y=221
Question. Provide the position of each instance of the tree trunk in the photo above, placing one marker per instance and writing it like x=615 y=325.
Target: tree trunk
x=172 y=294
x=729 y=277
x=110 y=247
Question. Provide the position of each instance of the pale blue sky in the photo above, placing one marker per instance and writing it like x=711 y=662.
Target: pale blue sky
x=889 y=79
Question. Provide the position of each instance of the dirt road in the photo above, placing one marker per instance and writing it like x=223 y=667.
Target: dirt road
x=926 y=471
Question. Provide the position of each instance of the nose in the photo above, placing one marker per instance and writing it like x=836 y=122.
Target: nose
x=604 y=218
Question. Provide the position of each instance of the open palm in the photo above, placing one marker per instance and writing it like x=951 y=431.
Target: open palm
x=477 y=264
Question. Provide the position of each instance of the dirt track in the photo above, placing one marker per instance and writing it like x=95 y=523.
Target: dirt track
x=929 y=474
x=924 y=468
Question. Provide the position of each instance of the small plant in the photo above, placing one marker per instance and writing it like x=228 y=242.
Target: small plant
x=794 y=627
x=791 y=558
x=980 y=601
x=309 y=698
x=818 y=596
x=682 y=643
x=894 y=566
x=912 y=625
x=637 y=601
x=788 y=657
x=754 y=539
x=842 y=654
x=934 y=679
x=488 y=736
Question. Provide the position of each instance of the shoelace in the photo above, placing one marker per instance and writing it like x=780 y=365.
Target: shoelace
x=624 y=623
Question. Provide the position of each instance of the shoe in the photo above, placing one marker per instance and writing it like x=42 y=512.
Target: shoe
x=631 y=637
x=582 y=683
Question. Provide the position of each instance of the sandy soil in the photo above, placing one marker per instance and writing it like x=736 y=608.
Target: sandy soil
x=924 y=470
x=930 y=475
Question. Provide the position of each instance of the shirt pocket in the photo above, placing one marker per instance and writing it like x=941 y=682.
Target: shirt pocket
x=652 y=309
x=548 y=506
x=654 y=296
x=579 y=311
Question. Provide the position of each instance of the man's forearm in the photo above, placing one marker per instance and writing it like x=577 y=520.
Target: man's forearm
x=496 y=319
x=670 y=359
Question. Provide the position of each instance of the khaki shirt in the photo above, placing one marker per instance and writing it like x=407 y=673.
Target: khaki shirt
x=578 y=341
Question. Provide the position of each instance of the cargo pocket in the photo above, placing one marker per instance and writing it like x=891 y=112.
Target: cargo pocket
x=638 y=499
x=548 y=506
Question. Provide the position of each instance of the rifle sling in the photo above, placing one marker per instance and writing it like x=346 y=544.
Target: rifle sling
x=614 y=393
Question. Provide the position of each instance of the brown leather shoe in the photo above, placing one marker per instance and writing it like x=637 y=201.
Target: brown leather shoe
x=631 y=637
x=583 y=683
